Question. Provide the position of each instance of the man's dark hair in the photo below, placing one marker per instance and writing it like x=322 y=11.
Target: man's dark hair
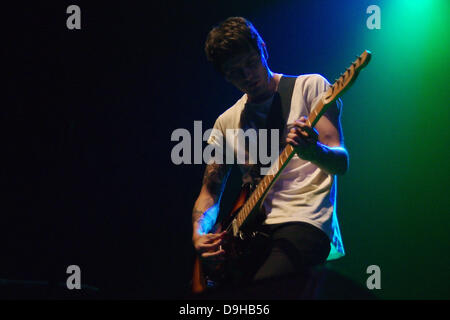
x=233 y=36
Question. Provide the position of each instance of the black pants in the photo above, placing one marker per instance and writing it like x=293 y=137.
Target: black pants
x=290 y=249
x=278 y=264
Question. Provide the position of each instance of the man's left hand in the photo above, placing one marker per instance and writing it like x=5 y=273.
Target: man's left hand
x=304 y=139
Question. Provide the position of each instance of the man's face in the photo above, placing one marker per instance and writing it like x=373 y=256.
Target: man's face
x=248 y=72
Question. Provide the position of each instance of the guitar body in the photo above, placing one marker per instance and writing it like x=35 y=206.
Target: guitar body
x=235 y=245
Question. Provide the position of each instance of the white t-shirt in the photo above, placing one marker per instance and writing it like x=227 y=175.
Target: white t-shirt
x=303 y=191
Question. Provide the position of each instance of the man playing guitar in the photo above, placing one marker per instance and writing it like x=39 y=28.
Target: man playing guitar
x=301 y=221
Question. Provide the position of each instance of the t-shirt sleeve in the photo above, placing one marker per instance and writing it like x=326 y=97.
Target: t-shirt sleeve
x=216 y=140
x=316 y=86
x=217 y=134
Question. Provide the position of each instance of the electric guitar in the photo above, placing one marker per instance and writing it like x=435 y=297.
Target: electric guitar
x=247 y=211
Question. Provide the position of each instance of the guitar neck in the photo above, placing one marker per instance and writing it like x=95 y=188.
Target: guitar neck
x=274 y=172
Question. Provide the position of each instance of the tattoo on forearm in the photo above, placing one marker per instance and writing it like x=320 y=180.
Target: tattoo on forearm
x=196 y=215
x=213 y=177
x=213 y=180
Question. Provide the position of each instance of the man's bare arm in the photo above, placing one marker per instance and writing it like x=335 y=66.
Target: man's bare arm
x=206 y=210
x=214 y=180
x=326 y=149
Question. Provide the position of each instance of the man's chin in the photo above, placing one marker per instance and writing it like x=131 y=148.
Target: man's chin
x=254 y=91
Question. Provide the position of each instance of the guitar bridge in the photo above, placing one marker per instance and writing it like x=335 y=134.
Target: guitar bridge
x=234 y=225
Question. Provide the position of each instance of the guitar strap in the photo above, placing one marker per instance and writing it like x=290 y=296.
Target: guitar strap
x=281 y=107
x=276 y=119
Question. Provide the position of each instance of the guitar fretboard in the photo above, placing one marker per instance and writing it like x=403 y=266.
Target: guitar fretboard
x=269 y=179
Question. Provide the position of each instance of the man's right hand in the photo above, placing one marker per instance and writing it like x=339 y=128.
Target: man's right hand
x=208 y=246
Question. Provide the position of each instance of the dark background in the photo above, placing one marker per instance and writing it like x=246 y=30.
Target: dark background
x=87 y=118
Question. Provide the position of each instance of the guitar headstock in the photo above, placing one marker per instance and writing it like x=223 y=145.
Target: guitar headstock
x=347 y=78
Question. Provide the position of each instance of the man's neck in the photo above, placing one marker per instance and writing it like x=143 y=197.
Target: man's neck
x=273 y=81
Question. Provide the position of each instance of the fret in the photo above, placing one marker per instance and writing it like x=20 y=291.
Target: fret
x=242 y=213
x=316 y=112
x=245 y=212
